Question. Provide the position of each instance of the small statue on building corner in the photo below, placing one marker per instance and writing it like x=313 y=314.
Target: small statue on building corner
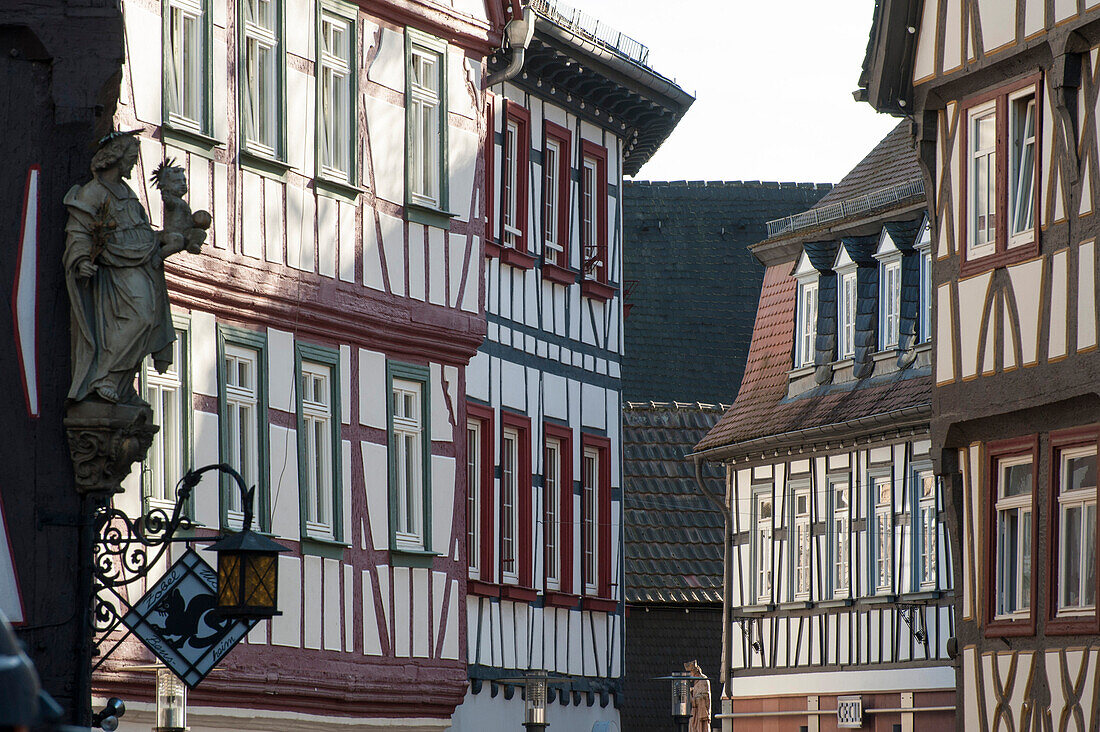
x=700 y=699
x=114 y=272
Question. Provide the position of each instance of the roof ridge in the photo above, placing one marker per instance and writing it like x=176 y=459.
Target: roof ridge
x=807 y=185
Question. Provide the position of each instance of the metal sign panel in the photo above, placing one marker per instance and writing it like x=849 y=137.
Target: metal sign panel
x=174 y=620
x=849 y=712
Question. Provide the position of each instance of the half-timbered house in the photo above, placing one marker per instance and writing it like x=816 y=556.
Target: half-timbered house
x=569 y=116
x=1004 y=100
x=322 y=335
x=841 y=588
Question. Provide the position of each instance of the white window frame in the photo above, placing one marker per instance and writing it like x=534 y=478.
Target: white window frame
x=551 y=162
x=924 y=251
x=926 y=529
x=336 y=93
x=319 y=473
x=474 y=474
x=802 y=542
x=762 y=545
x=551 y=489
x=882 y=499
x=261 y=82
x=1017 y=139
x=426 y=110
x=840 y=537
x=242 y=405
x=986 y=158
x=187 y=53
x=807 y=321
x=590 y=497
x=590 y=216
x=1082 y=500
x=510 y=202
x=1022 y=551
x=509 y=505
x=847 y=295
x=408 y=433
x=166 y=393
x=890 y=302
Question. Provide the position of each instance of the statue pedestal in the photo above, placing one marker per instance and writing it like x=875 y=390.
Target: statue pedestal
x=105 y=440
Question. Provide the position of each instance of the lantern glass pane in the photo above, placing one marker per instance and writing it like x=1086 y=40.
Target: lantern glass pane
x=681 y=698
x=260 y=572
x=229 y=581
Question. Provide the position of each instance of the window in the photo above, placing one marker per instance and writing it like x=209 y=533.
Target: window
x=1001 y=176
x=802 y=547
x=473 y=497
x=596 y=516
x=479 y=492
x=186 y=53
x=319 y=442
x=807 y=323
x=551 y=484
x=839 y=535
x=555 y=194
x=846 y=304
x=594 y=211
x=509 y=505
x=426 y=120
x=1014 y=477
x=242 y=406
x=261 y=82
x=409 y=438
x=762 y=547
x=883 y=492
x=336 y=122
x=1076 y=540
x=927 y=530
x=170 y=399
x=925 y=295
x=891 y=303
x=514 y=175
x=589 y=498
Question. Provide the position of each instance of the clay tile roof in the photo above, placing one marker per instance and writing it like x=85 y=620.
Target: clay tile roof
x=672 y=535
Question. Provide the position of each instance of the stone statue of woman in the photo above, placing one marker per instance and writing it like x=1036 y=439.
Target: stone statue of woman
x=114 y=269
x=700 y=699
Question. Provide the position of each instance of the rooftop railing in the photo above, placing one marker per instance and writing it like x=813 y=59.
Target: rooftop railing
x=873 y=201
x=585 y=25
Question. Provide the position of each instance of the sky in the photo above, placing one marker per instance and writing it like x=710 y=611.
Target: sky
x=773 y=82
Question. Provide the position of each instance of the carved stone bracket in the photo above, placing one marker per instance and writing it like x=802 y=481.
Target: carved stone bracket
x=105 y=440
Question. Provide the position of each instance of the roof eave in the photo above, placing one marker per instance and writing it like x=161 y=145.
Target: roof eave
x=886 y=82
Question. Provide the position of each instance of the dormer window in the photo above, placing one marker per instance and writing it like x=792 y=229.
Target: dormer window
x=806 y=316
x=889 y=294
x=845 y=269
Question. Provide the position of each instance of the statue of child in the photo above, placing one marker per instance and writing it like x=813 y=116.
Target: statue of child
x=182 y=228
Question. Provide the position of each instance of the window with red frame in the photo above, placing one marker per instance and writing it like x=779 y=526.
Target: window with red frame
x=596 y=516
x=514 y=175
x=515 y=500
x=479 y=492
x=1012 y=536
x=557 y=483
x=1001 y=175
x=593 y=211
x=1073 y=531
x=555 y=194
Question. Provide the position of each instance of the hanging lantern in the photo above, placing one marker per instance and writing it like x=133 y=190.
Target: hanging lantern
x=248 y=574
x=171 y=702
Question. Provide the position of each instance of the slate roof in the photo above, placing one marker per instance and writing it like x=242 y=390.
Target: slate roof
x=672 y=533
x=893 y=161
x=692 y=285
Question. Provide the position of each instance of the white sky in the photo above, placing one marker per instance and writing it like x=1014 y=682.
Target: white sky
x=773 y=82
